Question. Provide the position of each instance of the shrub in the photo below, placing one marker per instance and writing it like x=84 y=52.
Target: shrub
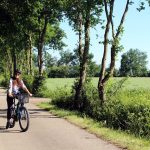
x=130 y=111
x=28 y=80
x=5 y=81
x=63 y=98
x=39 y=88
x=139 y=119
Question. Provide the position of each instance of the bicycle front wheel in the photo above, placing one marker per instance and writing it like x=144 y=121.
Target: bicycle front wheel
x=24 y=119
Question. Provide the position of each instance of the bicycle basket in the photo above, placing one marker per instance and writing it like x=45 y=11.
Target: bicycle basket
x=23 y=98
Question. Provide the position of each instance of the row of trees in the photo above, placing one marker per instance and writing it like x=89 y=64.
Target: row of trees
x=29 y=24
x=68 y=65
x=133 y=63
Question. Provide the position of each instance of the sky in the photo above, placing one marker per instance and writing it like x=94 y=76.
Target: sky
x=135 y=36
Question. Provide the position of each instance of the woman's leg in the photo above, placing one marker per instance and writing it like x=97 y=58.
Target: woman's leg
x=9 y=105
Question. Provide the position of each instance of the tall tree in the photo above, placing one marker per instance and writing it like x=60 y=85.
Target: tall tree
x=66 y=58
x=115 y=45
x=50 y=16
x=82 y=16
x=133 y=63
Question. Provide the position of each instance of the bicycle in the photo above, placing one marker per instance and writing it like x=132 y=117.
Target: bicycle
x=19 y=112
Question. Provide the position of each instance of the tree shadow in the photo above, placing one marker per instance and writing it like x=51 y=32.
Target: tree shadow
x=3 y=113
x=34 y=114
x=37 y=113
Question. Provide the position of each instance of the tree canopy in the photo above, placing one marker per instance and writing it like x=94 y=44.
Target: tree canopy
x=133 y=63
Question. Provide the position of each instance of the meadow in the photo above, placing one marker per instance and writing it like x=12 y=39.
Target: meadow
x=130 y=83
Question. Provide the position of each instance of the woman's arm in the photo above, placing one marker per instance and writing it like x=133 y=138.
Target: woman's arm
x=25 y=88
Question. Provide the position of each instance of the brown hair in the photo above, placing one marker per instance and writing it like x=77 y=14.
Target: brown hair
x=17 y=82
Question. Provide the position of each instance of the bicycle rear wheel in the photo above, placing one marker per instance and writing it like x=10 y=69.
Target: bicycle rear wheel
x=24 y=119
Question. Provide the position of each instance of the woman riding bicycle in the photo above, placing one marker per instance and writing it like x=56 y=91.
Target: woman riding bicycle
x=15 y=85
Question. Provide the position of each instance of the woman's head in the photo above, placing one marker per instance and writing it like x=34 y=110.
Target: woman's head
x=17 y=73
x=16 y=78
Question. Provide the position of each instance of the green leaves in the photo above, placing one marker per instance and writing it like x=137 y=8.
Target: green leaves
x=133 y=63
x=141 y=7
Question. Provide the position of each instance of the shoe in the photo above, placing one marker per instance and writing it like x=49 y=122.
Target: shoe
x=7 y=124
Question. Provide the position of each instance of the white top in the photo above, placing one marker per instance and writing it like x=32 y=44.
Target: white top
x=14 y=88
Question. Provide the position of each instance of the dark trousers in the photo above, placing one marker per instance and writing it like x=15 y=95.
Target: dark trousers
x=9 y=105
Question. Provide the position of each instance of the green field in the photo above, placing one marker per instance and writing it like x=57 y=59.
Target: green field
x=54 y=83
x=131 y=83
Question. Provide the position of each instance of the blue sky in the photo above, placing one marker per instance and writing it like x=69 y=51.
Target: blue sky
x=136 y=35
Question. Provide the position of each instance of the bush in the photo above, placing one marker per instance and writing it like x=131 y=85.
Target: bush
x=58 y=72
x=28 y=81
x=139 y=120
x=5 y=81
x=130 y=111
x=39 y=88
x=89 y=103
x=63 y=98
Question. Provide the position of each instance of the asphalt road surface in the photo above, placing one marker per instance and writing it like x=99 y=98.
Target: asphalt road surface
x=46 y=132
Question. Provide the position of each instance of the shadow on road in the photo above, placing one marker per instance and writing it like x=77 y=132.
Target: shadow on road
x=3 y=130
x=10 y=131
x=38 y=113
x=3 y=113
x=34 y=113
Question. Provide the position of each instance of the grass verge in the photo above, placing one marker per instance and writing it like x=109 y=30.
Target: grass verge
x=119 y=138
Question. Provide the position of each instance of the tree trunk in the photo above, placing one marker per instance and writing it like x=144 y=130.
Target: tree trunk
x=80 y=37
x=80 y=51
x=102 y=93
x=84 y=59
x=27 y=60
x=9 y=62
x=14 y=61
x=101 y=83
x=103 y=76
x=30 y=55
x=40 y=47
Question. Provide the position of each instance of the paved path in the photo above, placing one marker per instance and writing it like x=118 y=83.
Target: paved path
x=46 y=132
